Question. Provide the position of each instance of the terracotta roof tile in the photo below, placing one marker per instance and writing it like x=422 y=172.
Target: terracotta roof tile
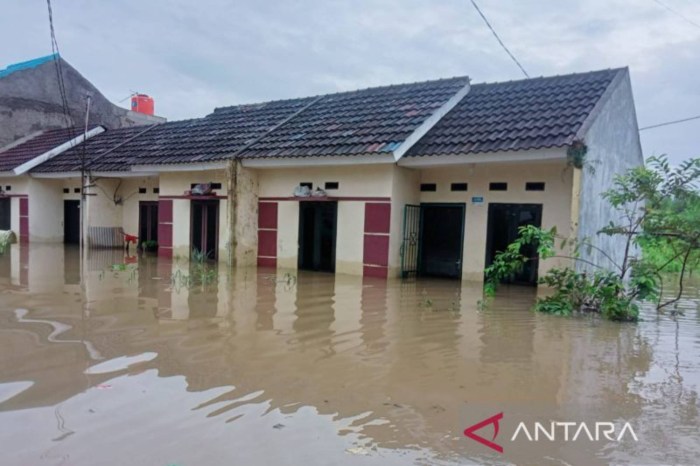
x=518 y=115
x=34 y=147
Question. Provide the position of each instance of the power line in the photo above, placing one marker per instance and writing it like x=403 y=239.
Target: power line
x=677 y=13
x=499 y=39
x=667 y=123
x=59 y=69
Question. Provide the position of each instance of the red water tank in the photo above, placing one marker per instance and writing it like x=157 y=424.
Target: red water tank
x=142 y=103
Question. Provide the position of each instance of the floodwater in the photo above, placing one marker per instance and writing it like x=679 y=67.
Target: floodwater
x=115 y=365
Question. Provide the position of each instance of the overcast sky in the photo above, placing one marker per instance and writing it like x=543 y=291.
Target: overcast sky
x=194 y=55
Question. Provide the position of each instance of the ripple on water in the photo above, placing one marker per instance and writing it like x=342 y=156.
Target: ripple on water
x=322 y=369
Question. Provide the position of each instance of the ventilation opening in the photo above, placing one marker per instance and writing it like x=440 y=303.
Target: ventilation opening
x=156 y=190
x=142 y=190
x=534 y=186
x=213 y=185
x=307 y=184
x=458 y=186
x=332 y=185
x=66 y=191
x=498 y=186
x=76 y=190
x=428 y=187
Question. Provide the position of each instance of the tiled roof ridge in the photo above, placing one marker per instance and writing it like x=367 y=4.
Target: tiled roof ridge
x=350 y=92
x=550 y=77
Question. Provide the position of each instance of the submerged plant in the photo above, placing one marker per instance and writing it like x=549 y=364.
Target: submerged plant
x=201 y=275
x=658 y=207
x=6 y=238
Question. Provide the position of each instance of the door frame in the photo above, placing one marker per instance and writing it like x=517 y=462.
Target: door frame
x=216 y=202
x=151 y=204
x=463 y=205
x=489 y=239
x=301 y=232
x=8 y=201
x=67 y=202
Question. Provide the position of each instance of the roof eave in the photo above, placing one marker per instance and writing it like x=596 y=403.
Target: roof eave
x=533 y=155
x=318 y=160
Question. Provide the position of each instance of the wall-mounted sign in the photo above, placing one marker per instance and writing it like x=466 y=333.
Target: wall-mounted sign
x=477 y=200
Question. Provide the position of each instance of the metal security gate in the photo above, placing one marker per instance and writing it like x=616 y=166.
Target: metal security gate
x=411 y=240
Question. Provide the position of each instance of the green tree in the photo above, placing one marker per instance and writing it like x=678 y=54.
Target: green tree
x=659 y=209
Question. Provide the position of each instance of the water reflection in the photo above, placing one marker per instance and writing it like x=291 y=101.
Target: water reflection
x=103 y=350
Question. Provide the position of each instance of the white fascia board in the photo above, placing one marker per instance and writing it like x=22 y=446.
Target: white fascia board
x=7 y=174
x=26 y=166
x=139 y=174
x=180 y=167
x=427 y=125
x=547 y=155
x=317 y=161
x=54 y=175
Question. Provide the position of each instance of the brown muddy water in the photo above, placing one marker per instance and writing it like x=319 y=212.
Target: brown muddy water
x=119 y=367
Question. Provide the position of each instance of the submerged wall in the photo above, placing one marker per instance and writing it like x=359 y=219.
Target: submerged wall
x=555 y=200
x=173 y=186
x=363 y=195
x=613 y=148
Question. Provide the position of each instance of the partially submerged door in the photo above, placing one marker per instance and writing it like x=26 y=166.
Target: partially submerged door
x=5 y=216
x=503 y=224
x=317 y=234
x=71 y=222
x=148 y=221
x=441 y=240
x=205 y=228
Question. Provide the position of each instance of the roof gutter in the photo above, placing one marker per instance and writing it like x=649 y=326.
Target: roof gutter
x=26 y=166
x=431 y=121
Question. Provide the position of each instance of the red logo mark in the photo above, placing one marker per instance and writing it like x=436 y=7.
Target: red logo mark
x=470 y=432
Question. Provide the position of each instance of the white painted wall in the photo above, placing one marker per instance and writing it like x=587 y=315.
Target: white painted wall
x=555 y=200
x=354 y=181
x=287 y=234
x=406 y=190
x=45 y=210
x=359 y=180
x=349 y=237
x=129 y=192
x=175 y=184
x=613 y=148
x=18 y=185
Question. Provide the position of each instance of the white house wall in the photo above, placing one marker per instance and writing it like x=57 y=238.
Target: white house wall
x=613 y=148
x=406 y=190
x=173 y=186
x=19 y=187
x=45 y=210
x=555 y=200
x=360 y=187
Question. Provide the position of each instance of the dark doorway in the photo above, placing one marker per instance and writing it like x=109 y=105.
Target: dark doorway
x=317 y=231
x=5 y=216
x=205 y=227
x=504 y=221
x=441 y=240
x=71 y=222
x=148 y=221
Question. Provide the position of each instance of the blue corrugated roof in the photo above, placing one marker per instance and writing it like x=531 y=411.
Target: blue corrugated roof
x=25 y=65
